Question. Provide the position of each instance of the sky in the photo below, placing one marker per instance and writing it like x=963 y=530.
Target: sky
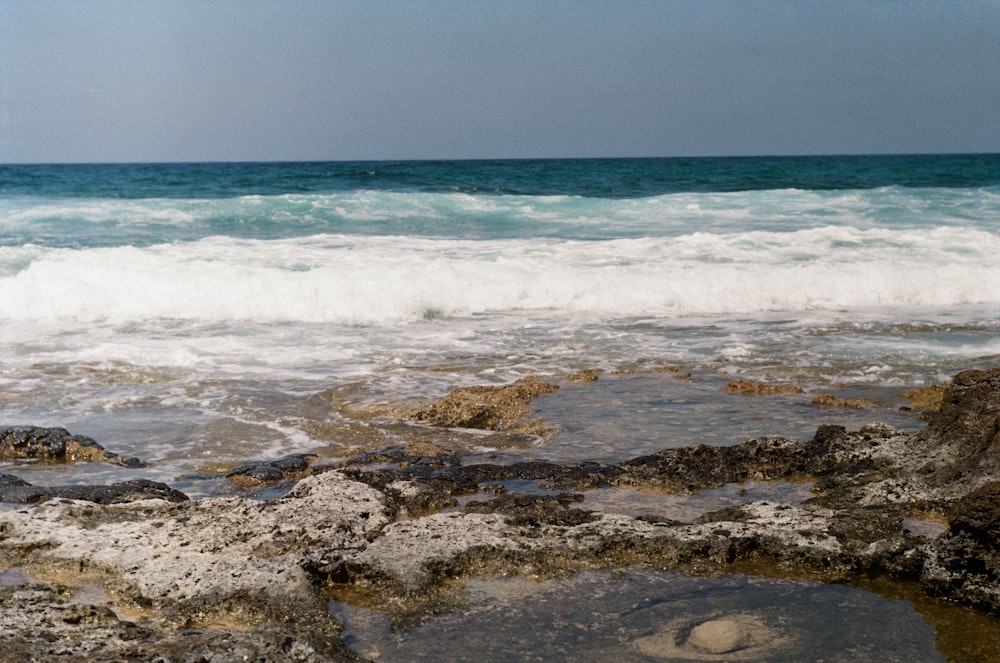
x=270 y=80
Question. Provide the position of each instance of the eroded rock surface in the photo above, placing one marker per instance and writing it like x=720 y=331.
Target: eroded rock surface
x=487 y=407
x=400 y=527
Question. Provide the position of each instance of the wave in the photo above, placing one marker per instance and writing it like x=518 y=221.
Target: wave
x=351 y=279
x=115 y=222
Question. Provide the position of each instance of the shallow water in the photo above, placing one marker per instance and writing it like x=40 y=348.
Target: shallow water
x=639 y=615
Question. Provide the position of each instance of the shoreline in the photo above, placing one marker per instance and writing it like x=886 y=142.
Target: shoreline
x=403 y=528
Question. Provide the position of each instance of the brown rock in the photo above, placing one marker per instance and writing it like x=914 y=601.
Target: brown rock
x=829 y=400
x=485 y=407
x=978 y=514
x=927 y=399
x=760 y=388
x=589 y=375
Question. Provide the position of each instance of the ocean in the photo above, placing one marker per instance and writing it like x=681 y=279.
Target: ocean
x=198 y=315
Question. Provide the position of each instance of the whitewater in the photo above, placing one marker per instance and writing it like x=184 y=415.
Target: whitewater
x=189 y=314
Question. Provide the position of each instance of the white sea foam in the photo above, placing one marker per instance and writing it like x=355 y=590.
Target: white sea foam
x=381 y=280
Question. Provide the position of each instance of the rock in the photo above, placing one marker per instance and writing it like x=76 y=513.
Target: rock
x=926 y=399
x=487 y=407
x=978 y=515
x=589 y=375
x=742 y=637
x=386 y=528
x=535 y=510
x=38 y=623
x=55 y=445
x=760 y=388
x=721 y=636
x=198 y=565
x=255 y=473
x=829 y=400
x=18 y=491
x=959 y=449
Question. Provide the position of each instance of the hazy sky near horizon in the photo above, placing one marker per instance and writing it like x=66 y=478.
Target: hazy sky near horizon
x=248 y=80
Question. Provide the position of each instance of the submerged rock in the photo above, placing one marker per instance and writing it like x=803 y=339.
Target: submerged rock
x=724 y=636
x=829 y=400
x=760 y=388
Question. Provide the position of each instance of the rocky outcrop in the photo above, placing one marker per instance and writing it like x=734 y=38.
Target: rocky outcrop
x=55 y=445
x=486 y=407
x=396 y=528
x=199 y=565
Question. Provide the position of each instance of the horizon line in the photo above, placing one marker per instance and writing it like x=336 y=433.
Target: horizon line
x=498 y=159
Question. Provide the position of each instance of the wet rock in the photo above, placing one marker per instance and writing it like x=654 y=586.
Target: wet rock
x=486 y=407
x=960 y=446
x=386 y=527
x=16 y=490
x=55 y=445
x=419 y=455
x=535 y=510
x=926 y=399
x=978 y=515
x=639 y=368
x=589 y=375
x=740 y=637
x=39 y=623
x=760 y=388
x=964 y=564
x=255 y=473
x=829 y=400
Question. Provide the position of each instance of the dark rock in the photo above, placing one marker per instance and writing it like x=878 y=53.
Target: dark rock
x=963 y=439
x=978 y=515
x=255 y=473
x=16 y=490
x=55 y=445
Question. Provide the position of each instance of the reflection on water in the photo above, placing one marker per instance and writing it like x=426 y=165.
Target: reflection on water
x=645 y=615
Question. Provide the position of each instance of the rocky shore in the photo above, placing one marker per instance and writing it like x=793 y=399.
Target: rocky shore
x=137 y=572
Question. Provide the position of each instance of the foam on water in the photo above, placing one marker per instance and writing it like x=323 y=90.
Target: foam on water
x=381 y=280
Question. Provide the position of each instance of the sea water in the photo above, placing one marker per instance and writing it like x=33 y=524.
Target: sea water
x=197 y=315
x=189 y=314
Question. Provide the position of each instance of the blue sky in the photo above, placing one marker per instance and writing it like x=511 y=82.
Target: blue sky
x=268 y=80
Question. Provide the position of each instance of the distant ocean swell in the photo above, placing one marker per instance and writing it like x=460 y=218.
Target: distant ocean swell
x=56 y=221
x=358 y=279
